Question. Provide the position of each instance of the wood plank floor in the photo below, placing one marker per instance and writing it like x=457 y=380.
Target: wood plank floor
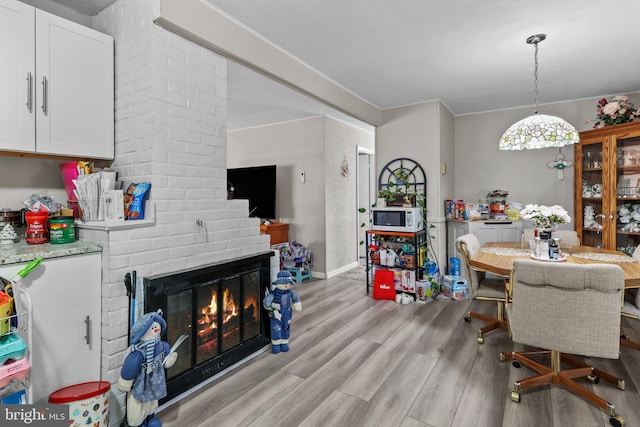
x=356 y=361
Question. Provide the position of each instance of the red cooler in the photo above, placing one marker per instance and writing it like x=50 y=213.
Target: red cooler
x=88 y=403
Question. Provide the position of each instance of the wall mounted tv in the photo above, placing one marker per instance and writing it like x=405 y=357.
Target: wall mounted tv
x=258 y=184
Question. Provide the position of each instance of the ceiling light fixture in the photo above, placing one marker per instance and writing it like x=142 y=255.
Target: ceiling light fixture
x=540 y=130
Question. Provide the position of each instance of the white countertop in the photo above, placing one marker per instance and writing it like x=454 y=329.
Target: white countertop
x=22 y=252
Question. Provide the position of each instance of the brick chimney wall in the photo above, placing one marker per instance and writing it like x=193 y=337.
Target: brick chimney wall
x=170 y=122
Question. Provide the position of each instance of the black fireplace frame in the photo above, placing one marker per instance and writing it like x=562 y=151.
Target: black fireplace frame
x=157 y=289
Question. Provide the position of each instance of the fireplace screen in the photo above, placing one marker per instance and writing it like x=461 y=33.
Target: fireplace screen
x=219 y=311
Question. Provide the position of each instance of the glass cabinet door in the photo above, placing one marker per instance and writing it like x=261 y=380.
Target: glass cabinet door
x=592 y=191
x=627 y=210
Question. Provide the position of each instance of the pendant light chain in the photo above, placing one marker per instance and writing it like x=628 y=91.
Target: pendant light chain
x=535 y=76
x=539 y=130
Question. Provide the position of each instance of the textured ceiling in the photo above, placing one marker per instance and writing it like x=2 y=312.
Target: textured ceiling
x=472 y=56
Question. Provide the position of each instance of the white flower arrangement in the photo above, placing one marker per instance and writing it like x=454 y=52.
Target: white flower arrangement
x=545 y=216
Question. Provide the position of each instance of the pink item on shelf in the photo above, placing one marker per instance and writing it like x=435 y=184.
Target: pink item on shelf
x=69 y=172
x=16 y=370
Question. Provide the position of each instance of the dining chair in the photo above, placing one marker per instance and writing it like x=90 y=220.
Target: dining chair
x=631 y=308
x=567 y=237
x=481 y=287
x=565 y=309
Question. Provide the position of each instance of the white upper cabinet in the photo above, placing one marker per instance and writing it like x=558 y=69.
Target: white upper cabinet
x=17 y=73
x=59 y=91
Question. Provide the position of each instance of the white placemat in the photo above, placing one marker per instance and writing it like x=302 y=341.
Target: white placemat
x=507 y=251
x=604 y=257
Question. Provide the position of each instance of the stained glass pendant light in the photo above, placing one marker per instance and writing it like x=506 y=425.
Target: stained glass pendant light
x=538 y=130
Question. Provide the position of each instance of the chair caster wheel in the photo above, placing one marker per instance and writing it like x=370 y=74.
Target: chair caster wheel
x=467 y=319
x=621 y=384
x=502 y=357
x=516 y=364
x=515 y=396
x=594 y=379
x=616 y=421
x=480 y=340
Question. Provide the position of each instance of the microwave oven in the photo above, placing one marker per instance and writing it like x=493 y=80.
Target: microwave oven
x=397 y=219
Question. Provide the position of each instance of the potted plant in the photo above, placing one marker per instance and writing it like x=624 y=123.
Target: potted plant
x=398 y=195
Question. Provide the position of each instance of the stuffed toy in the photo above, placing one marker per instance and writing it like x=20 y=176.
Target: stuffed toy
x=142 y=374
x=280 y=303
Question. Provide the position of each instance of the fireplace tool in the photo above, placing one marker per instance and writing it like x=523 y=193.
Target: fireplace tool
x=127 y=285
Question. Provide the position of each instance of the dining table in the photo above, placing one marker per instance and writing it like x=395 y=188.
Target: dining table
x=498 y=257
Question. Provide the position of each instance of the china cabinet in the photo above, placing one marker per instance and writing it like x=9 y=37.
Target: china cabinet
x=607 y=187
x=57 y=85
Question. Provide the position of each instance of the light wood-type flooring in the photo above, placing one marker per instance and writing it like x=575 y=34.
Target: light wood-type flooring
x=356 y=361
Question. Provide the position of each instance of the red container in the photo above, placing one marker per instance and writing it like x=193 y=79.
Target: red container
x=36 y=232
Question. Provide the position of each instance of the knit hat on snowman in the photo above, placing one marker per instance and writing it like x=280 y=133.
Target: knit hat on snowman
x=138 y=331
x=283 y=278
x=143 y=324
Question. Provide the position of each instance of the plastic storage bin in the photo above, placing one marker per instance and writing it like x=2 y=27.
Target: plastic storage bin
x=88 y=403
x=12 y=346
x=16 y=370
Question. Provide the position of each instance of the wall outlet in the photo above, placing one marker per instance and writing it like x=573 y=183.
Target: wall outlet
x=303 y=177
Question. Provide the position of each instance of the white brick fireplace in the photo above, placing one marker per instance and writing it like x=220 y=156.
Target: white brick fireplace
x=171 y=131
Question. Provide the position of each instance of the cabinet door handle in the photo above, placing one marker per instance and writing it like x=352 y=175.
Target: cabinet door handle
x=44 y=94
x=87 y=323
x=29 y=93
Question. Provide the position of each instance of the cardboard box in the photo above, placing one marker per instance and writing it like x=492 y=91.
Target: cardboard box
x=455 y=287
x=408 y=281
x=424 y=291
x=397 y=280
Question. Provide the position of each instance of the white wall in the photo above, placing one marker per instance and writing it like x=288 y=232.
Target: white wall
x=481 y=167
x=20 y=177
x=322 y=212
x=171 y=111
x=293 y=147
x=424 y=133
x=341 y=191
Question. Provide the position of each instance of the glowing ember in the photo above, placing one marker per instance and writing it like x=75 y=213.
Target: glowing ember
x=230 y=308
x=209 y=315
x=208 y=321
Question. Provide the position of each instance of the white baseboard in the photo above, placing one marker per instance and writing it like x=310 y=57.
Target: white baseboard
x=342 y=269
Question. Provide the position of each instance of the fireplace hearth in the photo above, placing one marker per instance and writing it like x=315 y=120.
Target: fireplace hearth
x=219 y=308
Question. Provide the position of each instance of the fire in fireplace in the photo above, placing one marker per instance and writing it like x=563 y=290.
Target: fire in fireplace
x=219 y=308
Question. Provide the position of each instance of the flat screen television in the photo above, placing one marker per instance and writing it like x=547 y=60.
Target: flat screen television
x=258 y=184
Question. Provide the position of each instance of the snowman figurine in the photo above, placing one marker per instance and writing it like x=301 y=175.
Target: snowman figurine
x=142 y=374
x=280 y=303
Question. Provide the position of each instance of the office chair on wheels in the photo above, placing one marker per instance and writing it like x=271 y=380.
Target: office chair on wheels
x=481 y=287
x=565 y=309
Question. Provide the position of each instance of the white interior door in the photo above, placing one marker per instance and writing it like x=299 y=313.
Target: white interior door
x=366 y=194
